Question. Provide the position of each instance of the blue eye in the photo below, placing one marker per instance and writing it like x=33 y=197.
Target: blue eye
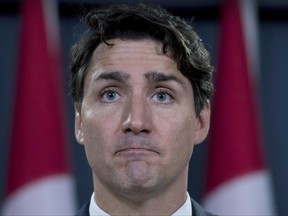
x=109 y=96
x=162 y=96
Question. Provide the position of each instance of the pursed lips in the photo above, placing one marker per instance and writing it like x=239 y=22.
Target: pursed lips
x=136 y=145
x=136 y=151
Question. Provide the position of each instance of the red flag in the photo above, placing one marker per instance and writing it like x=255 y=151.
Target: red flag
x=237 y=180
x=39 y=182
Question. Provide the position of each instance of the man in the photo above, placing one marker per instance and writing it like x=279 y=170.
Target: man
x=141 y=81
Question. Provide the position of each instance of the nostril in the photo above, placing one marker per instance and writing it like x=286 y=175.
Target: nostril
x=136 y=132
x=127 y=130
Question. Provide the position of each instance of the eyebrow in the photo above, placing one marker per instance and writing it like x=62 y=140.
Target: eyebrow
x=114 y=75
x=162 y=77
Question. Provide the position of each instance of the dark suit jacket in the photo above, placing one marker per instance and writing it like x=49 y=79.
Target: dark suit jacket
x=197 y=210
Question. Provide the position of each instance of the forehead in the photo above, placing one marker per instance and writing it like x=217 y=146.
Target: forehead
x=143 y=54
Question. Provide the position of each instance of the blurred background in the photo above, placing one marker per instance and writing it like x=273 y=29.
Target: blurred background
x=272 y=77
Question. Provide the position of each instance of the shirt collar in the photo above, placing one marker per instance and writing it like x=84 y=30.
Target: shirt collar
x=94 y=209
x=185 y=209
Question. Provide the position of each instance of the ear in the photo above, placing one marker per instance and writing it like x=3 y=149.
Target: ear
x=203 y=123
x=78 y=125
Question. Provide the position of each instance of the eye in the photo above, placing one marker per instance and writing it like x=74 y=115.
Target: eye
x=109 y=95
x=163 y=96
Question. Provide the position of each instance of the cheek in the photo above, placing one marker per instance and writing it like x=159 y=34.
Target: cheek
x=180 y=135
x=95 y=140
x=100 y=126
x=97 y=123
x=178 y=148
x=182 y=126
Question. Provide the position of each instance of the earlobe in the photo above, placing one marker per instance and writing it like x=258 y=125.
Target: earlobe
x=78 y=126
x=203 y=123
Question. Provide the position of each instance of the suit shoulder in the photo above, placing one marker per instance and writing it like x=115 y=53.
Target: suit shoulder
x=84 y=210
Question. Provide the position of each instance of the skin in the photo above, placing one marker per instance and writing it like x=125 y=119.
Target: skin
x=138 y=125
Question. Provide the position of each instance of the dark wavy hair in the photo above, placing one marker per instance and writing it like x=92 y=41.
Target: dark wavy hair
x=144 y=22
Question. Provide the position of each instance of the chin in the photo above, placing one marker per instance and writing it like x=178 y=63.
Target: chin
x=139 y=193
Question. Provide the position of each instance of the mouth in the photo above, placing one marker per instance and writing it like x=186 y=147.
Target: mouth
x=136 y=152
x=136 y=147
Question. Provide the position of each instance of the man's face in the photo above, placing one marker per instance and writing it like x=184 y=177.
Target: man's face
x=137 y=120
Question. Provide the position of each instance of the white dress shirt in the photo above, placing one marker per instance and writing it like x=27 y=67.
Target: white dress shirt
x=184 y=210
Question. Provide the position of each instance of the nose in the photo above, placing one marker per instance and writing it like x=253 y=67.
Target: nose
x=137 y=117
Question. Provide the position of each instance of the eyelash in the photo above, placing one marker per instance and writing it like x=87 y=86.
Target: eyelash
x=163 y=90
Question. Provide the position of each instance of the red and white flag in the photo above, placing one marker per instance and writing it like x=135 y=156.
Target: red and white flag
x=238 y=181
x=39 y=176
